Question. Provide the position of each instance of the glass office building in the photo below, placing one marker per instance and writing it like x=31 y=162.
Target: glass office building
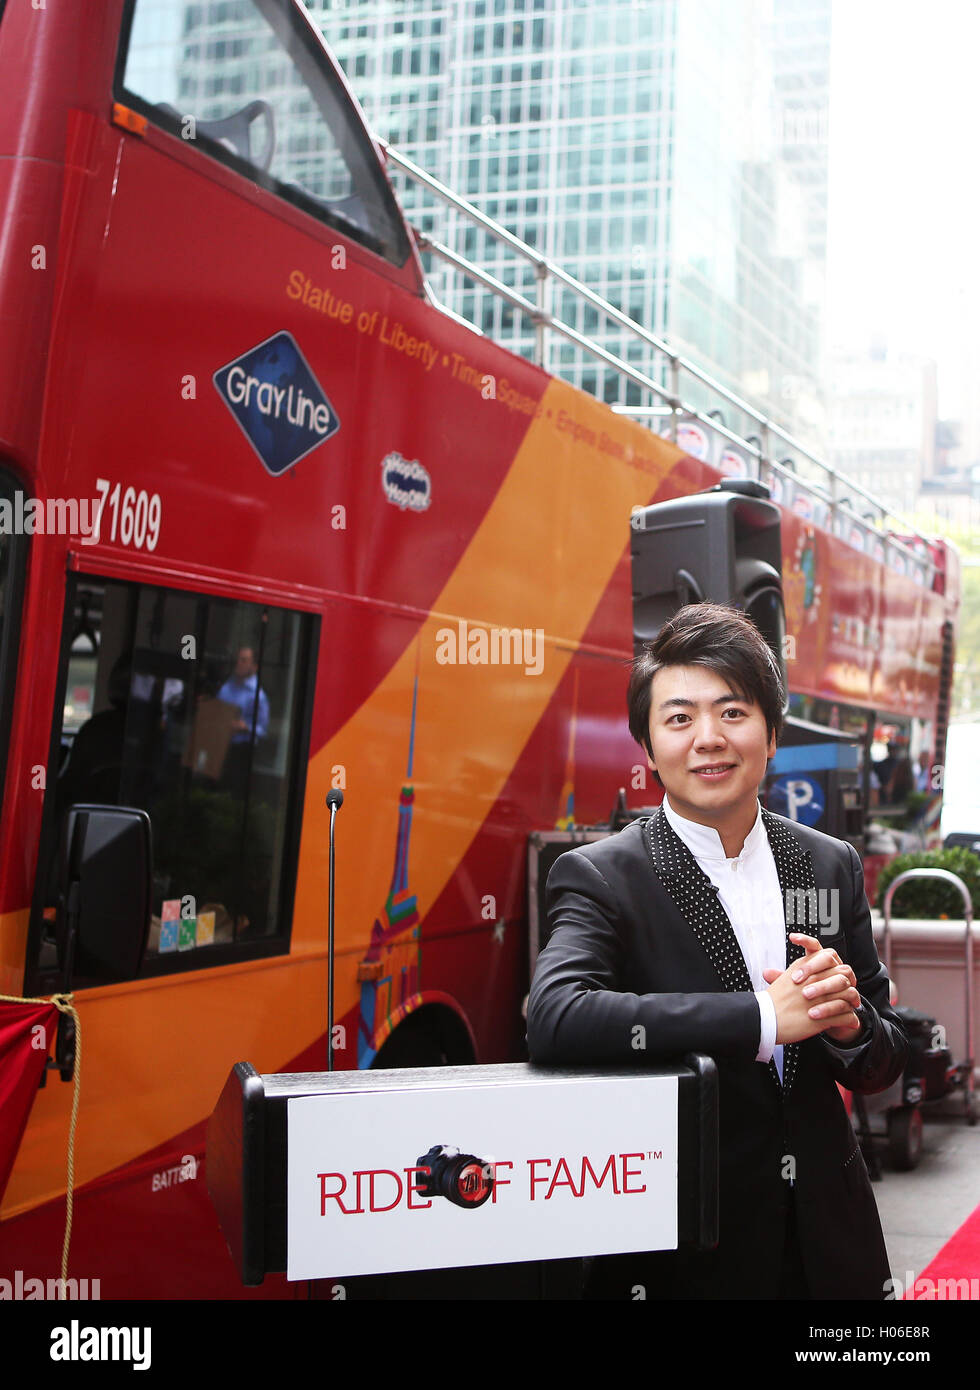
x=671 y=154
x=644 y=145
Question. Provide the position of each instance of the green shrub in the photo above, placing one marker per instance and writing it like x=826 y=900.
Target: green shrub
x=202 y=846
x=915 y=804
x=932 y=897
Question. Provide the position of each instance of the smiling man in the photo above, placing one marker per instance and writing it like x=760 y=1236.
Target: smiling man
x=682 y=924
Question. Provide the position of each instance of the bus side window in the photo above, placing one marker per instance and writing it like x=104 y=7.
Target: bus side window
x=192 y=708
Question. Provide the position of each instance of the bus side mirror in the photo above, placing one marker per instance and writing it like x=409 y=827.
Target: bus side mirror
x=105 y=893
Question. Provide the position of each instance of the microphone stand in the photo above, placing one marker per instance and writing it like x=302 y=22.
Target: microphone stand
x=335 y=800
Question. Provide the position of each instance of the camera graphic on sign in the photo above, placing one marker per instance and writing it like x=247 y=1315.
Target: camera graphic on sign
x=463 y=1179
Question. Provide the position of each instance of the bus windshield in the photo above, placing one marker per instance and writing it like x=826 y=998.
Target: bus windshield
x=244 y=81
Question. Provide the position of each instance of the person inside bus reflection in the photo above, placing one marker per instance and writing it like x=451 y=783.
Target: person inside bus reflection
x=242 y=690
x=896 y=776
x=105 y=762
x=93 y=770
x=884 y=771
x=118 y=752
x=923 y=773
x=902 y=781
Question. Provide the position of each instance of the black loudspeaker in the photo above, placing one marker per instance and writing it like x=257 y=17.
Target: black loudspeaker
x=719 y=546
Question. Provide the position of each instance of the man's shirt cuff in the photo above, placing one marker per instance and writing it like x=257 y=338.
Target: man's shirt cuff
x=767 y=1032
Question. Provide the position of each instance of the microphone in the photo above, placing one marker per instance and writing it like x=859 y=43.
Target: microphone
x=335 y=799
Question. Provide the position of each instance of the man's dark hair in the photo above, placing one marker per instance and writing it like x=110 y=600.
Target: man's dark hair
x=722 y=640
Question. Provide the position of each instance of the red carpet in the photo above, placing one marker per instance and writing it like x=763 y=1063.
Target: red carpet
x=954 y=1273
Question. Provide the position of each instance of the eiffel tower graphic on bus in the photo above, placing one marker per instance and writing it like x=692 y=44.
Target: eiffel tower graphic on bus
x=566 y=801
x=389 y=973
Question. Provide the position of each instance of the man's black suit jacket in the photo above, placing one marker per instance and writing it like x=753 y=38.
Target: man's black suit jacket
x=639 y=937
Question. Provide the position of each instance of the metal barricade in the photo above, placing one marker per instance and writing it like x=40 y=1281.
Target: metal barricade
x=967 y=1065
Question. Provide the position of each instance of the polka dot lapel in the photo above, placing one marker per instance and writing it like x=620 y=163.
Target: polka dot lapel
x=794 y=869
x=696 y=898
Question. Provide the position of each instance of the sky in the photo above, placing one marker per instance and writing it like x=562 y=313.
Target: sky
x=904 y=214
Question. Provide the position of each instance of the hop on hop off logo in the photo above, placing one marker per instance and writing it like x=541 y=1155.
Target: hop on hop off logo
x=406 y=483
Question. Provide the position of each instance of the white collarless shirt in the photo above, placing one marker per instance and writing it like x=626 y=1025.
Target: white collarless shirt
x=749 y=892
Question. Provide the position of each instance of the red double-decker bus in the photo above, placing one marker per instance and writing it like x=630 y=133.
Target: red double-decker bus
x=272 y=523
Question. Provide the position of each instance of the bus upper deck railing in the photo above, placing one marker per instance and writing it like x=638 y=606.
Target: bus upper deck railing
x=827 y=500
